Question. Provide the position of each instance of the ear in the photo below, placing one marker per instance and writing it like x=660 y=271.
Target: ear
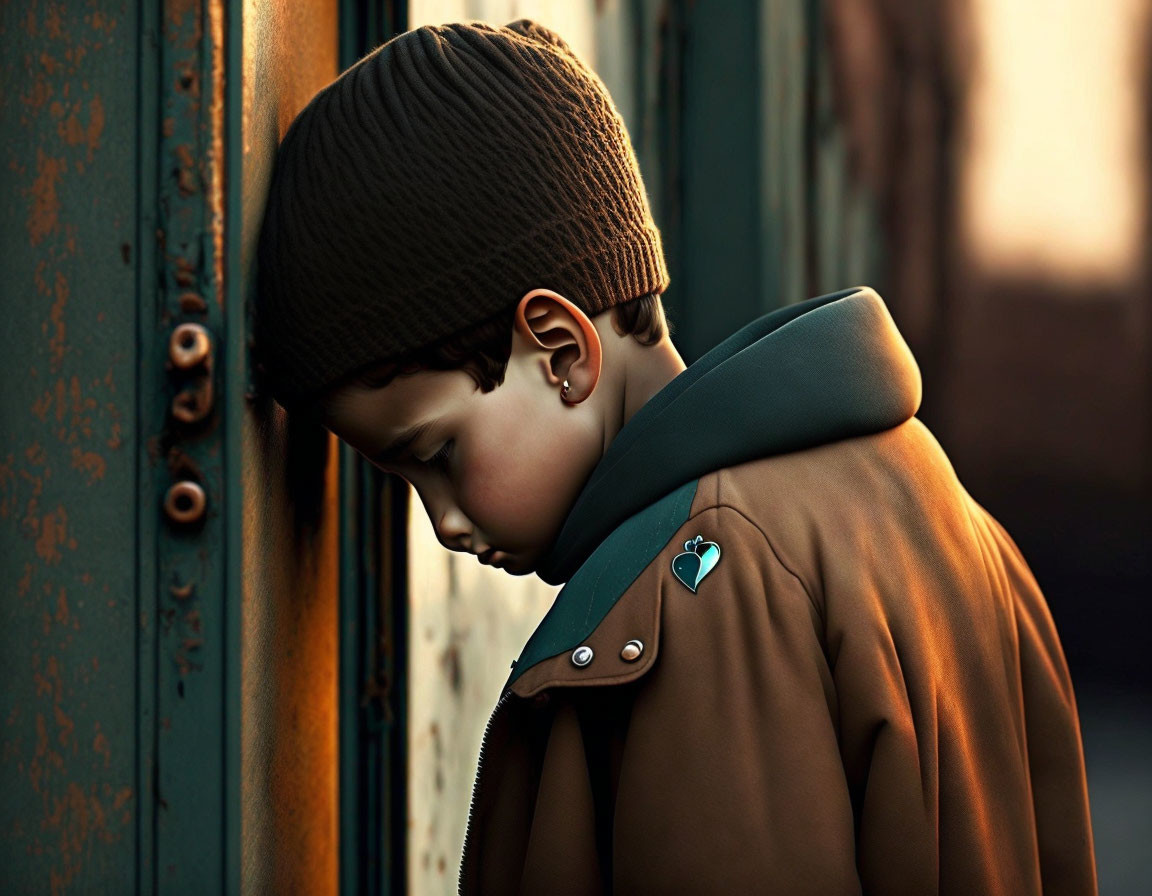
x=547 y=321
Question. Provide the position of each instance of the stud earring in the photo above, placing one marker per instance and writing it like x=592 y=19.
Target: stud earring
x=564 y=391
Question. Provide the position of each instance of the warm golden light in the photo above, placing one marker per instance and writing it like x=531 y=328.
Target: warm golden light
x=1053 y=176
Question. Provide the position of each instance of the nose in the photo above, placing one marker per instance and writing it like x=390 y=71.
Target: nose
x=453 y=529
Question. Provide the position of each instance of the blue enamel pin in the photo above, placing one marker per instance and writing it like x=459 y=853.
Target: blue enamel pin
x=697 y=561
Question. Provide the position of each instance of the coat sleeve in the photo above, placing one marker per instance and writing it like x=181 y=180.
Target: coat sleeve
x=729 y=778
x=958 y=725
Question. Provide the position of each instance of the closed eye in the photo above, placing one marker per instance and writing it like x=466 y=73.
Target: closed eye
x=440 y=456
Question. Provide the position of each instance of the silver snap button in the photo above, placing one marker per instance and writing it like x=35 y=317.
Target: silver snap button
x=582 y=655
x=632 y=650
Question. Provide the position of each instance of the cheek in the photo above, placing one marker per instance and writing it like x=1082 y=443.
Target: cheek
x=515 y=477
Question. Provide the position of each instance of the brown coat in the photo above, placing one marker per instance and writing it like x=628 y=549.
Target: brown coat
x=866 y=694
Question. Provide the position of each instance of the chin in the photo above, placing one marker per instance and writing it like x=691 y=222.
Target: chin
x=513 y=568
x=516 y=566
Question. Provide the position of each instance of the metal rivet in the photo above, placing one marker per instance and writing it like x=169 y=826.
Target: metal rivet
x=632 y=650
x=582 y=655
x=185 y=502
x=189 y=345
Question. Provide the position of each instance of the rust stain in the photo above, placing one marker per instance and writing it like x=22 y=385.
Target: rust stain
x=65 y=724
x=7 y=483
x=122 y=798
x=62 y=613
x=74 y=133
x=74 y=55
x=177 y=9
x=100 y=745
x=25 y=583
x=40 y=91
x=186 y=178
x=61 y=403
x=192 y=303
x=101 y=21
x=114 y=440
x=44 y=215
x=52 y=23
x=215 y=158
x=41 y=405
x=57 y=344
x=52 y=534
x=90 y=462
x=182 y=466
x=185 y=273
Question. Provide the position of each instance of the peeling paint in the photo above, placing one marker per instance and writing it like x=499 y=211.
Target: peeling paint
x=44 y=212
x=57 y=346
x=52 y=534
x=68 y=465
x=73 y=132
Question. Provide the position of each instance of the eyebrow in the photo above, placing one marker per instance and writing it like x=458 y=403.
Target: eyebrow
x=396 y=449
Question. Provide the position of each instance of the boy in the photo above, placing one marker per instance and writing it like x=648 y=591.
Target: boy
x=791 y=653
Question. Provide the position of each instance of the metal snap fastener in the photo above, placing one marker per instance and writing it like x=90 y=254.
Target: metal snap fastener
x=632 y=650
x=582 y=655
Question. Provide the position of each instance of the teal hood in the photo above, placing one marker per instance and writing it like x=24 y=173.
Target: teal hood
x=824 y=369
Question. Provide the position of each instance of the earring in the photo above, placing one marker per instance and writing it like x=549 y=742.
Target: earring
x=564 y=391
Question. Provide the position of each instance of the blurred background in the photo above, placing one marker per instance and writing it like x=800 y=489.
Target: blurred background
x=235 y=657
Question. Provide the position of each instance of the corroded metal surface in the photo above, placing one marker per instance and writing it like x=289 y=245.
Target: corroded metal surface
x=67 y=437
x=195 y=819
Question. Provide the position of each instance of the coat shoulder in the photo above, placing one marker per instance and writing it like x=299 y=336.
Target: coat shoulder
x=689 y=557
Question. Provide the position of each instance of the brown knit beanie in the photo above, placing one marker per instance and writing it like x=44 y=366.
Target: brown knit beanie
x=437 y=180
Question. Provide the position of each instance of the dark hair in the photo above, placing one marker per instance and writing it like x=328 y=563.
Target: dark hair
x=483 y=350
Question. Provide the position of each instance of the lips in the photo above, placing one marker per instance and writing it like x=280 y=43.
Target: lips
x=492 y=557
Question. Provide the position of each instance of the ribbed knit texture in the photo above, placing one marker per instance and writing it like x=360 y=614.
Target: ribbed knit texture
x=433 y=184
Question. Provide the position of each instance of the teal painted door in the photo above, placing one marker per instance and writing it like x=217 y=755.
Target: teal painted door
x=171 y=639
x=120 y=525
x=72 y=633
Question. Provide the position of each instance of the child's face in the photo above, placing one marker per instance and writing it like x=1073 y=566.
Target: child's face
x=497 y=469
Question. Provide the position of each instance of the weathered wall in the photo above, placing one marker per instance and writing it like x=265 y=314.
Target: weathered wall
x=290 y=649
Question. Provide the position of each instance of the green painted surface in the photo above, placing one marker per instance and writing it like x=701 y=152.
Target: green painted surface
x=68 y=441
x=733 y=122
x=114 y=652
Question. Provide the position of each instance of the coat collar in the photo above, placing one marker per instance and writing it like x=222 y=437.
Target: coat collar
x=824 y=369
x=594 y=590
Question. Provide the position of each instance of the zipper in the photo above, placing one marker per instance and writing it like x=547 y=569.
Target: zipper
x=504 y=699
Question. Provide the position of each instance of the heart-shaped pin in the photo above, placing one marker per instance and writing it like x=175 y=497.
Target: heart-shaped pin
x=698 y=559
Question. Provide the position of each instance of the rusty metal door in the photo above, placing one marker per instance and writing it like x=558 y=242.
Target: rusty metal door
x=181 y=644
